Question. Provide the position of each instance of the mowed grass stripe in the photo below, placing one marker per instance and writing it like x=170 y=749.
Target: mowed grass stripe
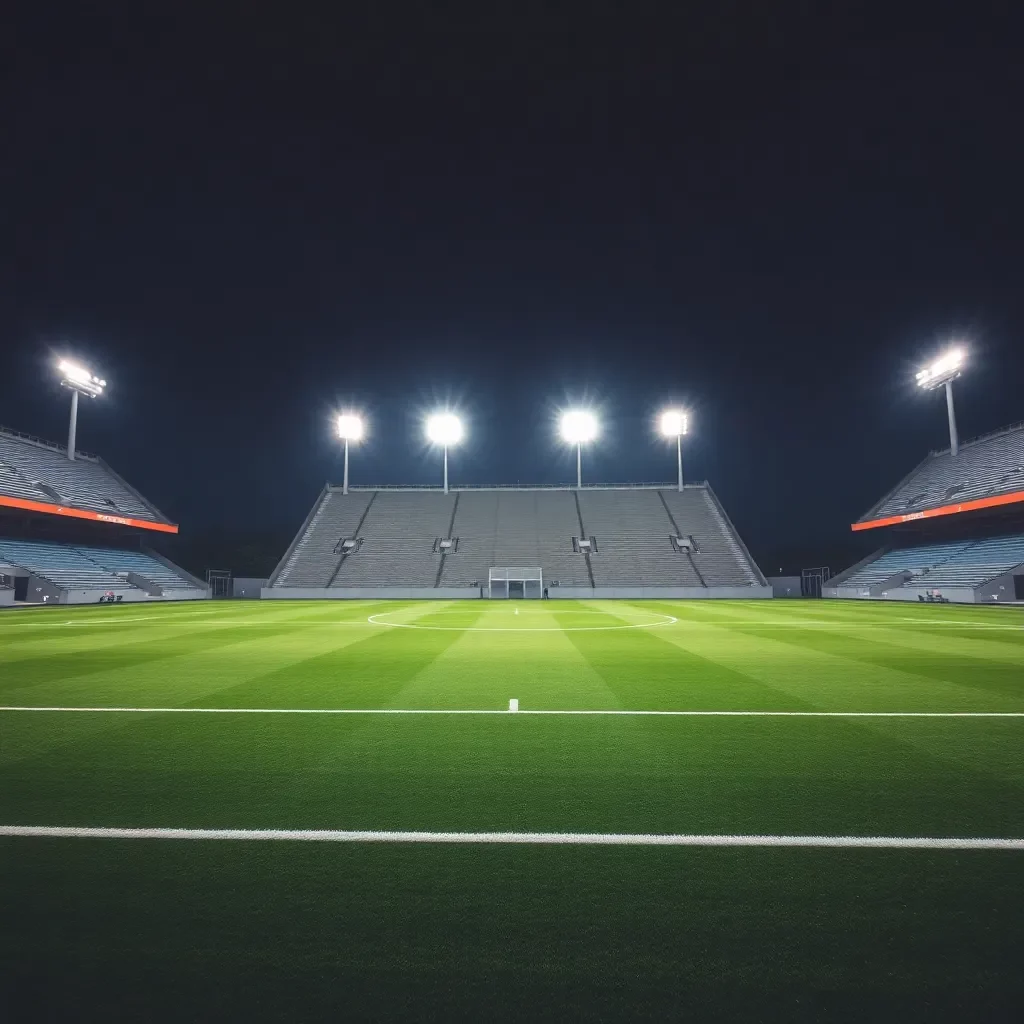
x=345 y=670
x=835 y=672
x=486 y=669
x=996 y=675
x=512 y=773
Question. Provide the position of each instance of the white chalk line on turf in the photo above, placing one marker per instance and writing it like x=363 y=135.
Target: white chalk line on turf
x=520 y=712
x=514 y=838
x=666 y=620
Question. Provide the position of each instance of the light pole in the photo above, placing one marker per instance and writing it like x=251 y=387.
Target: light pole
x=444 y=429
x=942 y=373
x=675 y=423
x=81 y=382
x=350 y=428
x=578 y=427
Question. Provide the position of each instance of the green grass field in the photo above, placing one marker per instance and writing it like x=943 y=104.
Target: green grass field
x=100 y=927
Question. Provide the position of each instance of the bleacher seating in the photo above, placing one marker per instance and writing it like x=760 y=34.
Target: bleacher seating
x=516 y=527
x=398 y=531
x=914 y=560
x=962 y=563
x=62 y=565
x=721 y=558
x=633 y=530
x=313 y=559
x=984 y=468
x=398 y=540
x=37 y=471
x=977 y=563
x=84 y=567
x=146 y=566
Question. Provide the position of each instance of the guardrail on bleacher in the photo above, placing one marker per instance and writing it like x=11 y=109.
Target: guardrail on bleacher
x=670 y=485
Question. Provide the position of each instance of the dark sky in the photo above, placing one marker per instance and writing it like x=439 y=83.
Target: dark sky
x=772 y=213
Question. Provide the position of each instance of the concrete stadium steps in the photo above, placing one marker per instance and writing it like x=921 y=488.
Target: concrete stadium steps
x=313 y=559
x=84 y=482
x=720 y=558
x=632 y=530
x=983 y=468
x=398 y=536
x=150 y=568
x=516 y=527
x=397 y=530
x=62 y=565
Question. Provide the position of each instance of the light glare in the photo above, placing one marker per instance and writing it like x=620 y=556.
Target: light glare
x=350 y=426
x=80 y=379
x=674 y=422
x=578 y=426
x=946 y=367
x=444 y=428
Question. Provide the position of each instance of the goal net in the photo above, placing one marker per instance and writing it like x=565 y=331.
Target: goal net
x=516 y=582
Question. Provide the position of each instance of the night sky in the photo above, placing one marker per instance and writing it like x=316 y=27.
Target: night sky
x=771 y=214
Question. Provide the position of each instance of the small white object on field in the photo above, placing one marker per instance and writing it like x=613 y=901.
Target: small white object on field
x=513 y=704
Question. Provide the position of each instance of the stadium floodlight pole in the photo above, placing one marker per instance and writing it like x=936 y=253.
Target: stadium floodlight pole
x=350 y=428
x=942 y=373
x=445 y=429
x=81 y=382
x=675 y=423
x=578 y=427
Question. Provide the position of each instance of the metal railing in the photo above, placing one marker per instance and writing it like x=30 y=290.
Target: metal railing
x=648 y=486
x=43 y=443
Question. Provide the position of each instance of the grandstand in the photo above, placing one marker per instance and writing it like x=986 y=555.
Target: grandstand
x=955 y=529
x=70 y=529
x=590 y=541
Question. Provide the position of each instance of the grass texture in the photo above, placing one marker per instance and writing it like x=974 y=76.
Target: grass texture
x=211 y=930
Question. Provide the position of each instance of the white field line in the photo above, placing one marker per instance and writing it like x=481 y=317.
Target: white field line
x=666 y=620
x=505 y=711
x=514 y=838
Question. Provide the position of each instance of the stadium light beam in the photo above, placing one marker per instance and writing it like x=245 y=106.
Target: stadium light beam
x=675 y=423
x=444 y=429
x=942 y=373
x=80 y=381
x=578 y=427
x=350 y=428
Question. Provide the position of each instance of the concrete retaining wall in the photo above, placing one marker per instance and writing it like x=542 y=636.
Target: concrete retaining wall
x=368 y=593
x=564 y=593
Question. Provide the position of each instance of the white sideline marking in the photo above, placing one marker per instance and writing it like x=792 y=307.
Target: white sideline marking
x=666 y=620
x=518 y=838
x=488 y=711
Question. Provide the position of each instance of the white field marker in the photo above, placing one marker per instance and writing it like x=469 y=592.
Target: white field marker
x=513 y=704
x=516 y=838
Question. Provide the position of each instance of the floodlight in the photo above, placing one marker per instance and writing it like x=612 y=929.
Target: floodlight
x=942 y=373
x=578 y=426
x=79 y=381
x=350 y=426
x=673 y=422
x=444 y=428
x=947 y=367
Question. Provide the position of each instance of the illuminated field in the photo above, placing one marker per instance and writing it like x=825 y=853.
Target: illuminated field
x=441 y=852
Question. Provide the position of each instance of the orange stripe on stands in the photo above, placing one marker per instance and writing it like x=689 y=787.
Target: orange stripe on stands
x=82 y=513
x=943 y=510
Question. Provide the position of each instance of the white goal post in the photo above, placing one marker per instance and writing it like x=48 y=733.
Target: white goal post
x=511 y=581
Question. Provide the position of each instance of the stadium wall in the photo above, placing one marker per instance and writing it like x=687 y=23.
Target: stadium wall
x=6 y=595
x=456 y=593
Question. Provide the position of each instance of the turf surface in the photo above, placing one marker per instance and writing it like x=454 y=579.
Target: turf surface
x=208 y=930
